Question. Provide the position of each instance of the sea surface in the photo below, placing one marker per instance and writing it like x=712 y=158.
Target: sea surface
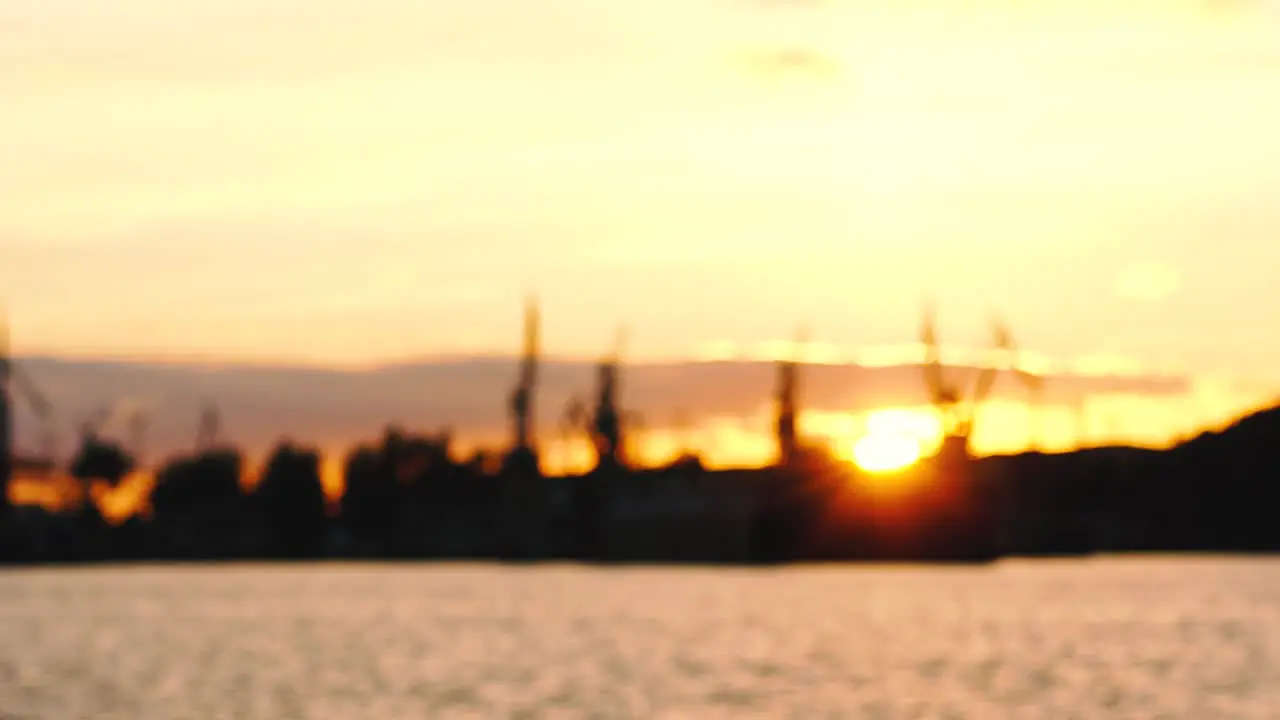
x=1095 y=638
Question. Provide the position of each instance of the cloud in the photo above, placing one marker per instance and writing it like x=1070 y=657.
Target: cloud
x=1148 y=281
x=334 y=408
x=1087 y=364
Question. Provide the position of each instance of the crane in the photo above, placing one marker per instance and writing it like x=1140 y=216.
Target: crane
x=43 y=411
x=573 y=421
x=522 y=398
x=605 y=427
x=785 y=420
x=207 y=434
x=12 y=377
x=93 y=423
x=130 y=415
x=608 y=423
x=949 y=397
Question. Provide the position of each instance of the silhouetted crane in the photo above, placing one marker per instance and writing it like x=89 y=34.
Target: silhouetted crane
x=125 y=412
x=606 y=426
x=97 y=458
x=207 y=434
x=43 y=411
x=785 y=424
x=948 y=397
x=574 y=422
x=93 y=423
x=12 y=378
x=522 y=452
x=607 y=422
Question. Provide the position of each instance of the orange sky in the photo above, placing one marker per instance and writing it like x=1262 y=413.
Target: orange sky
x=735 y=441
x=312 y=181
x=727 y=408
x=287 y=179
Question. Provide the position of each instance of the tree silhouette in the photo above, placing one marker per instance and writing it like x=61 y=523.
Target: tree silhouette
x=198 y=506
x=291 y=498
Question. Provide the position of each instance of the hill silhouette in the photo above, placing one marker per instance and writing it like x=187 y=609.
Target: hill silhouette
x=1215 y=492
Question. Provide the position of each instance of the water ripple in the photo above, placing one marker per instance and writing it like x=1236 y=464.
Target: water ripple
x=1193 y=638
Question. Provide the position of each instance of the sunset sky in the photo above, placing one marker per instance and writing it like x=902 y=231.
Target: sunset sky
x=334 y=183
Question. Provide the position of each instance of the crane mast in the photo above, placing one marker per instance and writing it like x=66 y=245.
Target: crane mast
x=785 y=426
x=608 y=417
x=210 y=425
x=948 y=397
x=607 y=422
x=574 y=423
x=522 y=399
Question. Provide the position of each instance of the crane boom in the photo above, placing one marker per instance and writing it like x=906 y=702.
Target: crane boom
x=42 y=409
x=39 y=404
x=935 y=382
x=14 y=380
x=532 y=343
x=574 y=422
x=522 y=398
x=210 y=424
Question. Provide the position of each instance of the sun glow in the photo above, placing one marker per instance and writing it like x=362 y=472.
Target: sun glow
x=885 y=452
x=893 y=440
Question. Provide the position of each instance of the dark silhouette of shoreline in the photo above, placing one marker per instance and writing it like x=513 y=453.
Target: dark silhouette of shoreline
x=408 y=496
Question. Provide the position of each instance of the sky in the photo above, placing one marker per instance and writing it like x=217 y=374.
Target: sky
x=722 y=410
x=335 y=408
x=332 y=184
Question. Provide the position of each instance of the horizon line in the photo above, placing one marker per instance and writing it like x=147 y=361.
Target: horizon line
x=1088 y=365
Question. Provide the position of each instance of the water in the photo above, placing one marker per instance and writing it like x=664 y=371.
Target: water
x=1141 y=638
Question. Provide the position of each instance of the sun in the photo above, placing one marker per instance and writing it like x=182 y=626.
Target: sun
x=892 y=441
x=878 y=452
